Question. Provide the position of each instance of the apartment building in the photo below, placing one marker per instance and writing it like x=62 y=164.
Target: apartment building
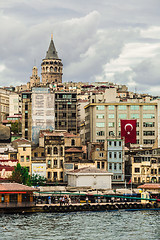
x=115 y=157
x=146 y=166
x=27 y=115
x=66 y=111
x=4 y=104
x=102 y=120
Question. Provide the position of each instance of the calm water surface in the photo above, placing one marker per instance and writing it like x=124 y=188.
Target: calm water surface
x=82 y=226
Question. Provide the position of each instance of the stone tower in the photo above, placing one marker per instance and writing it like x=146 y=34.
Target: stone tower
x=34 y=79
x=51 y=66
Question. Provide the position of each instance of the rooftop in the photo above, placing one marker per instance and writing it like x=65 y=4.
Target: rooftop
x=12 y=187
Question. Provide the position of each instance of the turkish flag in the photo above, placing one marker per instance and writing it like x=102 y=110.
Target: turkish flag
x=128 y=130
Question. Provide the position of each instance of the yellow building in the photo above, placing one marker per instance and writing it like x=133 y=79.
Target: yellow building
x=24 y=152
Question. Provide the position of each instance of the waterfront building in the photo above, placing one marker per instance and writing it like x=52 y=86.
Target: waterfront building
x=51 y=66
x=145 y=165
x=16 y=195
x=116 y=163
x=90 y=177
x=98 y=153
x=53 y=144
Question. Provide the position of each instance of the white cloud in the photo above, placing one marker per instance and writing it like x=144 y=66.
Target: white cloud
x=97 y=40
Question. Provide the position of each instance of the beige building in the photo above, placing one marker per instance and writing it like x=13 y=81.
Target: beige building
x=24 y=152
x=4 y=104
x=53 y=143
x=102 y=120
x=146 y=166
x=15 y=104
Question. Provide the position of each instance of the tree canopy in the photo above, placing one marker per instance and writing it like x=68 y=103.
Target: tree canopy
x=21 y=175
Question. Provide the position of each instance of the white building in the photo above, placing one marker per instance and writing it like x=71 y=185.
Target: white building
x=90 y=177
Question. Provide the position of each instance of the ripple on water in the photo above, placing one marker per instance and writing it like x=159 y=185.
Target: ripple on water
x=81 y=226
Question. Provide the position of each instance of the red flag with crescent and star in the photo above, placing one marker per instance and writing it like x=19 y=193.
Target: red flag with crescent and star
x=128 y=130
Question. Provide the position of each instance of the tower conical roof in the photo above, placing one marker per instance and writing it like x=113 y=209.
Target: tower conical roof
x=51 y=53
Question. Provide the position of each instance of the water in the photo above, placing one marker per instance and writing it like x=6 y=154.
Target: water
x=117 y=225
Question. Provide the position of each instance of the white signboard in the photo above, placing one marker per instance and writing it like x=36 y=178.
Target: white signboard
x=39 y=168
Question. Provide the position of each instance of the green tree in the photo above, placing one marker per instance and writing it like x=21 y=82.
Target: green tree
x=16 y=127
x=21 y=175
x=37 y=180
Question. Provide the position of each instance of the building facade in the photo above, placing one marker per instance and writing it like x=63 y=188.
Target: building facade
x=102 y=121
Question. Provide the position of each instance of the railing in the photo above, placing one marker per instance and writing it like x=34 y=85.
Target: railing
x=16 y=204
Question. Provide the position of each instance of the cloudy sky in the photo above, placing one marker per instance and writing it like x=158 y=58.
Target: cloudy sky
x=98 y=40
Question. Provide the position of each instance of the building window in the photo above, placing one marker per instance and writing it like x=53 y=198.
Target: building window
x=55 y=162
x=137 y=124
x=22 y=158
x=148 y=124
x=103 y=164
x=120 y=143
x=49 y=174
x=110 y=166
x=110 y=115
x=122 y=107
x=120 y=154
x=100 y=154
x=149 y=115
x=98 y=164
x=24 y=149
x=27 y=158
x=115 y=155
x=100 y=107
x=73 y=142
x=111 y=124
x=137 y=170
x=61 y=163
x=115 y=143
x=100 y=124
x=148 y=133
x=48 y=150
x=55 y=150
x=111 y=107
x=134 y=107
x=61 y=175
x=55 y=176
x=110 y=143
x=122 y=116
x=99 y=115
x=110 y=154
x=148 y=141
x=61 y=151
x=111 y=133
x=148 y=107
x=100 y=133
x=134 y=115
x=115 y=166
x=120 y=166
x=49 y=163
